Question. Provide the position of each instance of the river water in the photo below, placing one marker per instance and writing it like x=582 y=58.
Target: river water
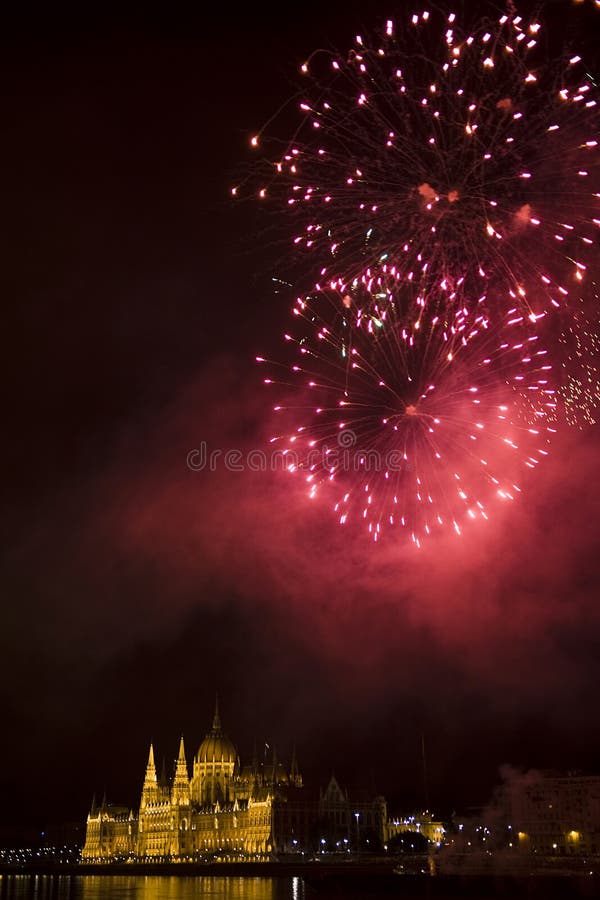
x=150 y=887
x=236 y=887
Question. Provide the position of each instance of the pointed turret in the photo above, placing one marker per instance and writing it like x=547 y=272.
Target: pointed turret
x=181 y=770
x=151 y=767
x=150 y=788
x=216 y=725
x=255 y=768
x=180 y=792
x=164 y=788
x=295 y=776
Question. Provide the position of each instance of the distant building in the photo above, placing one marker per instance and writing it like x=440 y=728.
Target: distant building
x=226 y=811
x=421 y=823
x=553 y=814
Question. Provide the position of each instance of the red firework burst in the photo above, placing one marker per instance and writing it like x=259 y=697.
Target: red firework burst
x=411 y=412
x=463 y=148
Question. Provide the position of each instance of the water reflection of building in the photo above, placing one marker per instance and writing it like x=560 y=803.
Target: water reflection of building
x=228 y=811
x=175 y=888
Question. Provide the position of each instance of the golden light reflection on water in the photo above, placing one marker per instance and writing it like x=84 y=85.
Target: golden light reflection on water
x=149 y=887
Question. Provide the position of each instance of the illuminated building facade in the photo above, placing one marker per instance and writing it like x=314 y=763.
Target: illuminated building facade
x=421 y=823
x=226 y=811
x=554 y=815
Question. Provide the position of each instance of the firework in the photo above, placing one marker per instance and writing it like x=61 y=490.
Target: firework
x=442 y=194
x=411 y=411
x=579 y=350
x=462 y=150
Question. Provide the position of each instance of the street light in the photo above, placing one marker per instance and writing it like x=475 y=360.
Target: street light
x=357 y=817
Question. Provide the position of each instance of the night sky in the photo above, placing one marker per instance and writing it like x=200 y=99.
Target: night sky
x=135 y=296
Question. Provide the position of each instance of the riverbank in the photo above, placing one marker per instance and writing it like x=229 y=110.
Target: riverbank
x=339 y=879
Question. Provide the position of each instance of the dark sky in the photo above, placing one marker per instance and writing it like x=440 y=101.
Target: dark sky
x=135 y=297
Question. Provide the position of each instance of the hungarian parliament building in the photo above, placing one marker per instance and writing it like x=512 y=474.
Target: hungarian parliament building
x=263 y=811
x=226 y=811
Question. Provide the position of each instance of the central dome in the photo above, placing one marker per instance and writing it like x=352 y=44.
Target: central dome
x=216 y=746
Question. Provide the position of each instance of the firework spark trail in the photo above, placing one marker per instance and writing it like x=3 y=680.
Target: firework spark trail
x=413 y=412
x=465 y=150
x=578 y=393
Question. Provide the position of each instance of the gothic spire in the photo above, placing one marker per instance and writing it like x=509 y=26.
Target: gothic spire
x=294 y=766
x=163 y=780
x=275 y=779
x=216 y=726
x=149 y=790
x=181 y=771
x=180 y=792
x=151 y=768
